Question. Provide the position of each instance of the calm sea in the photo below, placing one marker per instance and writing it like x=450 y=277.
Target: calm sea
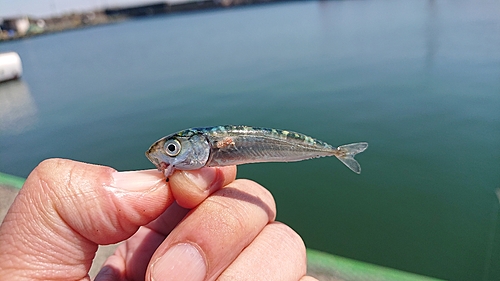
x=418 y=80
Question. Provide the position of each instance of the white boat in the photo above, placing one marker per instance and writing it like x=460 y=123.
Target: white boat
x=10 y=66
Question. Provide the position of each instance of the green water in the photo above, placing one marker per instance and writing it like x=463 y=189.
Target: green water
x=418 y=80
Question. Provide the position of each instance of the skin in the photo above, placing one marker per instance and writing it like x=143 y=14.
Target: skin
x=201 y=225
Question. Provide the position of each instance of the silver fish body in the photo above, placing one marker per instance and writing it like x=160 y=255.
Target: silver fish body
x=233 y=145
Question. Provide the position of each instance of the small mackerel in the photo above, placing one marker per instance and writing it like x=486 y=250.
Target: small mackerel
x=195 y=148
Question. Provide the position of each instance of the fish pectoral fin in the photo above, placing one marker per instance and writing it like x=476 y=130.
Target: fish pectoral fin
x=347 y=152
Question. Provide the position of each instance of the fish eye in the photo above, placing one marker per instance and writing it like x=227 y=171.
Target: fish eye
x=172 y=147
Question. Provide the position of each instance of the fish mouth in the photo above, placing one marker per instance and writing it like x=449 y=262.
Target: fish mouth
x=162 y=166
x=153 y=154
x=151 y=158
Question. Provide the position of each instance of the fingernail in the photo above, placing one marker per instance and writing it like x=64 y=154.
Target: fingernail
x=181 y=262
x=137 y=180
x=202 y=178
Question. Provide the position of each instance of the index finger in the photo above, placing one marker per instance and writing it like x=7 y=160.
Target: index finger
x=214 y=233
x=190 y=188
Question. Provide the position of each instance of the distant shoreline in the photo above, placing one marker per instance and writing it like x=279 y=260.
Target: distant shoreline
x=17 y=28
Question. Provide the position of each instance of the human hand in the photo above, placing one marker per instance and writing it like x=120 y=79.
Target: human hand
x=66 y=209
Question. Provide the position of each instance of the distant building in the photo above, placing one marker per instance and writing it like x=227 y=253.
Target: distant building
x=19 y=26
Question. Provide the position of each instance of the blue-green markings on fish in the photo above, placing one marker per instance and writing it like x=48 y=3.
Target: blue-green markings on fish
x=195 y=148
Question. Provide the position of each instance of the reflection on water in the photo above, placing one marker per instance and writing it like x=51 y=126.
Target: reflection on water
x=18 y=110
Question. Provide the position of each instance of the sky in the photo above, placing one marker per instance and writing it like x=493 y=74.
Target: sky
x=43 y=8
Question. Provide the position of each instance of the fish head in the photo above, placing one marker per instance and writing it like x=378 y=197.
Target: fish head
x=179 y=151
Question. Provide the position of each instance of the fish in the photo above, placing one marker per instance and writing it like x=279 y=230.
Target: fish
x=226 y=145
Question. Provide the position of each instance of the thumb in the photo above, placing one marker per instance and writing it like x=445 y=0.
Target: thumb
x=66 y=208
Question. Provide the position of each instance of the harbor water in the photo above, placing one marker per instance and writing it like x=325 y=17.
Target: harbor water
x=418 y=80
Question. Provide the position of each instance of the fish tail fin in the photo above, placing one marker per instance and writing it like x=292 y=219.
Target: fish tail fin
x=346 y=153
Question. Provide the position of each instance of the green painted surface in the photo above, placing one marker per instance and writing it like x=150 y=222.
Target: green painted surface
x=329 y=267
x=10 y=180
